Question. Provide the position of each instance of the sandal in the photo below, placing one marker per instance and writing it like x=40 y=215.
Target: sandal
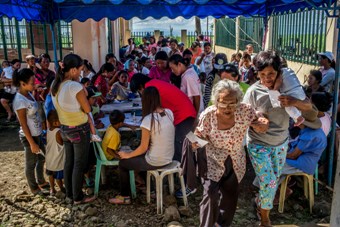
x=121 y=200
x=85 y=200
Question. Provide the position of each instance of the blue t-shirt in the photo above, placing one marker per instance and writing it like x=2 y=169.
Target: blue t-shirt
x=48 y=104
x=312 y=142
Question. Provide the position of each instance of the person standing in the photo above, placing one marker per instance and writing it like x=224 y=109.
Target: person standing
x=73 y=108
x=26 y=109
x=268 y=150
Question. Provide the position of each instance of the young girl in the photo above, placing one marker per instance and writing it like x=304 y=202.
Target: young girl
x=73 y=109
x=119 y=90
x=157 y=145
x=100 y=81
x=26 y=109
x=55 y=153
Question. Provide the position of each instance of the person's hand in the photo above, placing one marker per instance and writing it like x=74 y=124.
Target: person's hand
x=35 y=148
x=261 y=125
x=100 y=125
x=195 y=145
x=202 y=55
x=287 y=100
x=124 y=155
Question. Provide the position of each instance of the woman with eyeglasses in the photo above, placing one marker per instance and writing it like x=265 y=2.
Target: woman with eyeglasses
x=224 y=125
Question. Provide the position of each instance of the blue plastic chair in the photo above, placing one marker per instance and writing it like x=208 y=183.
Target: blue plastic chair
x=102 y=161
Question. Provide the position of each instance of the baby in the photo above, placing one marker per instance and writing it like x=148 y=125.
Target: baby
x=287 y=83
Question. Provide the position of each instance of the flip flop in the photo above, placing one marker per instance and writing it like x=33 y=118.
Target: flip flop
x=120 y=200
x=85 y=200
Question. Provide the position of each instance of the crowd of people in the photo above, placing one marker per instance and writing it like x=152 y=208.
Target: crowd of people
x=253 y=103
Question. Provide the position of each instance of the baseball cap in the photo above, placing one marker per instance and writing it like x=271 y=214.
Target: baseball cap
x=327 y=54
x=220 y=61
x=180 y=44
x=230 y=68
x=91 y=93
x=30 y=56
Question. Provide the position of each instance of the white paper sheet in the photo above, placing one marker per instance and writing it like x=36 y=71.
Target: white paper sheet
x=194 y=139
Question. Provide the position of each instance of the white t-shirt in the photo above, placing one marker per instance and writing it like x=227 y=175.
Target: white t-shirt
x=32 y=115
x=8 y=72
x=161 y=149
x=67 y=96
x=326 y=123
x=145 y=70
x=191 y=86
x=55 y=153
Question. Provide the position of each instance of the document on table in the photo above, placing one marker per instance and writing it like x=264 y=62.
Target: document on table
x=195 y=139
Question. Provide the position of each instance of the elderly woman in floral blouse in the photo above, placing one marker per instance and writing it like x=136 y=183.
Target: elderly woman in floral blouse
x=224 y=126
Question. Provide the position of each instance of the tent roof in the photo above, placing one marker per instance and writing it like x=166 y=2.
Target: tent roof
x=53 y=10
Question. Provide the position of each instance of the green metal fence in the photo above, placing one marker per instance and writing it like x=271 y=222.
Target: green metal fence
x=300 y=36
x=19 y=38
x=251 y=32
x=226 y=33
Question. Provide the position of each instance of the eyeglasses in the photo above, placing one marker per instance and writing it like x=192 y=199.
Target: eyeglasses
x=226 y=106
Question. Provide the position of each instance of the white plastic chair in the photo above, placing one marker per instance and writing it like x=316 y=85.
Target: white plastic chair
x=159 y=174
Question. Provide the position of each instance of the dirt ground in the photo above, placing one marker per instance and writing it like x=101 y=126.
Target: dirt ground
x=19 y=208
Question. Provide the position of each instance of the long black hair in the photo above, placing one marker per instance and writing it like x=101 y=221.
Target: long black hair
x=89 y=66
x=69 y=62
x=23 y=75
x=150 y=101
x=108 y=67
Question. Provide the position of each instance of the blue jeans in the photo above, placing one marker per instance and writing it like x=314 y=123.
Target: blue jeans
x=77 y=143
x=34 y=163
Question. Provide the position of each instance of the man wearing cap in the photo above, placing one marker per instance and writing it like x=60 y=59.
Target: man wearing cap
x=327 y=63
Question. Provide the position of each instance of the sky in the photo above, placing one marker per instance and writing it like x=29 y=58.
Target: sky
x=163 y=24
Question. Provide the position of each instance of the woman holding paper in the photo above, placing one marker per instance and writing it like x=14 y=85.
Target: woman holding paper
x=267 y=151
x=224 y=126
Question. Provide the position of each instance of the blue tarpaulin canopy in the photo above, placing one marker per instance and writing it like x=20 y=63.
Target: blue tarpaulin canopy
x=67 y=10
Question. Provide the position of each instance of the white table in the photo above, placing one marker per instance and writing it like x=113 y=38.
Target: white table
x=123 y=106
x=129 y=119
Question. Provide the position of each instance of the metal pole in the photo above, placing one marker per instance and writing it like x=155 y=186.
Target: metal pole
x=2 y=25
x=54 y=43
x=335 y=107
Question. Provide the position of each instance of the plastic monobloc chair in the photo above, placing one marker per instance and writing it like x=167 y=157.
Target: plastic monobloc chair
x=159 y=174
x=307 y=187
x=102 y=161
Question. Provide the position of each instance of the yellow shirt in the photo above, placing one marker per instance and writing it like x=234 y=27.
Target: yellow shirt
x=111 y=140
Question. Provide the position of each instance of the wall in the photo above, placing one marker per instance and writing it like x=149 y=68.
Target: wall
x=90 y=41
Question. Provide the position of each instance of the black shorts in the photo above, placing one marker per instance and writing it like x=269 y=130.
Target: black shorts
x=8 y=96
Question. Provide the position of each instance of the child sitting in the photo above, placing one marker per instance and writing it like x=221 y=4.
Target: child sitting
x=111 y=141
x=120 y=90
x=55 y=153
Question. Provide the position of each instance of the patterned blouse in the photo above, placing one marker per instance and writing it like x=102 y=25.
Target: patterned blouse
x=225 y=143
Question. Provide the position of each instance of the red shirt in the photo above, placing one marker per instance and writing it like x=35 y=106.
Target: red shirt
x=174 y=99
